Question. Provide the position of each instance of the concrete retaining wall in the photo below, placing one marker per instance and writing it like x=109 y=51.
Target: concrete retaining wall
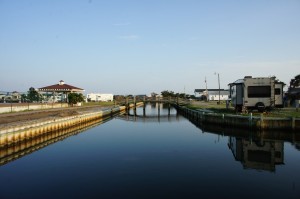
x=21 y=140
x=18 y=133
x=11 y=135
x=241 y=121
x=17 y=150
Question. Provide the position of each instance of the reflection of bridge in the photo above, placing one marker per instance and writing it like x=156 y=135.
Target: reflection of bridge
x=149 y=118
x=158 y=104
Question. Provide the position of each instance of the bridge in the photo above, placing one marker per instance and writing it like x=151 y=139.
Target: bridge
x=150 y=118
x=166 y=100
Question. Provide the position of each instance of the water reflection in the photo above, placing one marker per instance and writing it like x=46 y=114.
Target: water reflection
x=260 y=150
x=257 y=154
x=151 y=112
x=28 y=146
x=154 y=158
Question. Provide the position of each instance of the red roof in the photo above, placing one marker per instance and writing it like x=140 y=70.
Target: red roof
x=58 y=87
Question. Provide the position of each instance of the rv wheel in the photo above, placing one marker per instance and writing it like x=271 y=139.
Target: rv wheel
x=260 y=106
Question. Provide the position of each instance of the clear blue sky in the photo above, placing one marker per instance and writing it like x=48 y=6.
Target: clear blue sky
x=144 y=46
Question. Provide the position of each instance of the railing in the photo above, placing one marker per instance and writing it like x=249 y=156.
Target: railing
x=173 y=100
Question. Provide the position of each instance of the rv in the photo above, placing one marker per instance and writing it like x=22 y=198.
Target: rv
x=256 y=93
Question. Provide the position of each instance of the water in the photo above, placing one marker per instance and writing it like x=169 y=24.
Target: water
x=157 y=157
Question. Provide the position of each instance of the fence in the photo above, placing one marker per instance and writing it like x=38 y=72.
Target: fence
x=16 y=107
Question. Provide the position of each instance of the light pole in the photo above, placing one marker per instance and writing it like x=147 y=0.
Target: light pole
x=219 y=85
x=206 y=90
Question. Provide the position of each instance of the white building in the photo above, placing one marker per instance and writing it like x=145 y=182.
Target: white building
x=214 y=95
x=97 y=97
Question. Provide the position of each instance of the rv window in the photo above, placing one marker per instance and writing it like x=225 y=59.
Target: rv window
x=277 y=91
x=259 y=91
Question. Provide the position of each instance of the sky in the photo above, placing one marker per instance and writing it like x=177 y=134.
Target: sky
x=143 y=46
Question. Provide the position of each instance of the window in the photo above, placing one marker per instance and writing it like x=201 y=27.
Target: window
x=277 y=91
x=259 y=91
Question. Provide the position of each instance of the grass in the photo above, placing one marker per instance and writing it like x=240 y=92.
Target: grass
x=221 y=108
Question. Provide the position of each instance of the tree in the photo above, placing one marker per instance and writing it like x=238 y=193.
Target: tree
x=74 y=98
x=33 y=95
x=167 y=93
x=295 y=82
x=182 y=95
x=24 y=98
x=293 y=92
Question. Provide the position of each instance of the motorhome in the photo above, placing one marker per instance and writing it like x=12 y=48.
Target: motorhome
x=256 y=93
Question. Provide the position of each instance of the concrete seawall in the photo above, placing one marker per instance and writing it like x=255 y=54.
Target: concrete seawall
x=18 y=141
x=18 y=133
x=239 y=121
x=17 y=150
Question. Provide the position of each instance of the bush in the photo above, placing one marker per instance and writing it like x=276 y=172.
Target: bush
x=74 y=98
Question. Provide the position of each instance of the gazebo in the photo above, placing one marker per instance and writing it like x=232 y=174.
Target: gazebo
x=61 y=88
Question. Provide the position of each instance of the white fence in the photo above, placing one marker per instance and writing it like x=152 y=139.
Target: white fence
x=17 y=107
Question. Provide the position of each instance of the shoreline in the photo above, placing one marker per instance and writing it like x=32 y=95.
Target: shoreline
x=239 y=121
x=18 y=131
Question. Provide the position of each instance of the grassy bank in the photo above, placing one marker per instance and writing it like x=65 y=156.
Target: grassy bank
x=221 y=108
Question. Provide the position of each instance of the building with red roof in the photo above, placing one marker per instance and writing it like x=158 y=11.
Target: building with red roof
x=61 y=88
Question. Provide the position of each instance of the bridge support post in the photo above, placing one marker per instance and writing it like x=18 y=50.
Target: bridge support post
x=134 y=111
x=134 y=105
x=158 y=109
x=134 y=101
x=127 y=105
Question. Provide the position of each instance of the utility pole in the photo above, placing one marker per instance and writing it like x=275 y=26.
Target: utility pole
x=219 y=86
x=206 y=89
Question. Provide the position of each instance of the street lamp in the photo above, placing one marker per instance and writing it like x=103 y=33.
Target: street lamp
x=219 y=85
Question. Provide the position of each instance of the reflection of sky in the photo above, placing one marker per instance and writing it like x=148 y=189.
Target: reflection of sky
x=120 y=159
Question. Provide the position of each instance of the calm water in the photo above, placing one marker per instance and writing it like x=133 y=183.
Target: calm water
x=157 y=157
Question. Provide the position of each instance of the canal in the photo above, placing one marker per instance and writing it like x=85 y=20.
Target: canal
x=156 y=153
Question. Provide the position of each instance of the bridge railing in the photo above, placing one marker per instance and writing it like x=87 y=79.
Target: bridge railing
x=173 y=100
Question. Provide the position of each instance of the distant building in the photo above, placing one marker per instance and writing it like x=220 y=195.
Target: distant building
x=212 y=94
x=61 y=89
x=98 y=97
x=10 y=97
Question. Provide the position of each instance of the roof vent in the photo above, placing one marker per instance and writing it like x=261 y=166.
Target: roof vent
x=61 y=82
